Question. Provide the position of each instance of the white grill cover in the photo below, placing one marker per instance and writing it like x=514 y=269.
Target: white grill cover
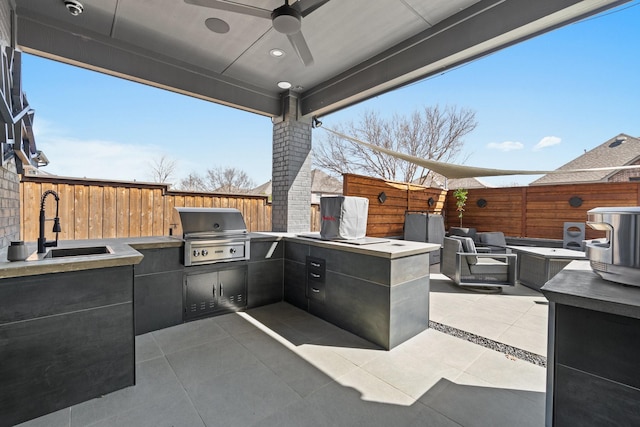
x=343 y=217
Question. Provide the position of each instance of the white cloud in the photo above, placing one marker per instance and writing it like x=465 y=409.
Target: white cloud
x=506 y=145
x=97 y=158
x=547 y=141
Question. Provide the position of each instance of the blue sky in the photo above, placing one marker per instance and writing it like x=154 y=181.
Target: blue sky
x=538 y=104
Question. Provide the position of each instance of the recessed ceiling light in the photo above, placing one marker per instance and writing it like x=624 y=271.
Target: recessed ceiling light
x=217 y=25
x=284 y=85
x=277 y=53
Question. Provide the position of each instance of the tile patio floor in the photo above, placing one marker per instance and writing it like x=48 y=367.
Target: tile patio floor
x=279 y=366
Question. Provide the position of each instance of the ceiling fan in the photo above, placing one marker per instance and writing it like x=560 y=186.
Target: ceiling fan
x=286 y=19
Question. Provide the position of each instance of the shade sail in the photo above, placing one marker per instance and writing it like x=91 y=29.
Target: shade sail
x=453 y=171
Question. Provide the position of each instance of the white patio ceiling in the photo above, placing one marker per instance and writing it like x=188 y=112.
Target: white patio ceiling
x=360 y=48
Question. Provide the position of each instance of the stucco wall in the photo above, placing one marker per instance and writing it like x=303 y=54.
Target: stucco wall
x=9 y=179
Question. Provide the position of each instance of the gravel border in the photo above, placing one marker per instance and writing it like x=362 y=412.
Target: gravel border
x=525 y=355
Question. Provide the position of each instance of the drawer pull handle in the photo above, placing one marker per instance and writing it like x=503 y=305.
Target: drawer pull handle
x=315 y=264
x=315 y=276
x=316 y=290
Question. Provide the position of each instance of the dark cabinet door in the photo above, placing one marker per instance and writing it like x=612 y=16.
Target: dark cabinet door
x=201 y=294
x=209 y=292
x=232 y=288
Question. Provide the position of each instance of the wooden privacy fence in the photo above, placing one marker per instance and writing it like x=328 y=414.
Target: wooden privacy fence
x=388 y=202
x=95 y=209
x=535 y=211
x=540 y=211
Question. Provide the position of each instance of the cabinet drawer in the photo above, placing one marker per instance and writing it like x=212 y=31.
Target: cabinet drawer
x=316 y=290
x=316 y=270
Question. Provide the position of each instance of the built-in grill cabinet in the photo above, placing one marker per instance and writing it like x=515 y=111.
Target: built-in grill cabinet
x=209 y=290
x=216 y=254
x=316 y=272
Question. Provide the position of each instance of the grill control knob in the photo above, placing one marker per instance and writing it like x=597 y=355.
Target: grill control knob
x=196 y=252
x=232 y=250
x=205 y=252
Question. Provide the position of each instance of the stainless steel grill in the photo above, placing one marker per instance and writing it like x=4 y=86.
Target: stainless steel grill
x=213 y=235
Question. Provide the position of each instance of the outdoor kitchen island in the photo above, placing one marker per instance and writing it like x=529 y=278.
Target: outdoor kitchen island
x=379 y=291
x=593 y=374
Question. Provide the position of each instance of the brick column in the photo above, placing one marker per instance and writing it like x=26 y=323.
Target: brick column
x=291 y=170
x=9 y=179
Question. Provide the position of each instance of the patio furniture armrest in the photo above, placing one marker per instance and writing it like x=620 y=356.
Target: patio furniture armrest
x=483 y=249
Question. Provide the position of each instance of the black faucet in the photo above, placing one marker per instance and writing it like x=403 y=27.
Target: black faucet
x=42 y=241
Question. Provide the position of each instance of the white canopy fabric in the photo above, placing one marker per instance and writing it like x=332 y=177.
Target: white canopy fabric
x=453 y=171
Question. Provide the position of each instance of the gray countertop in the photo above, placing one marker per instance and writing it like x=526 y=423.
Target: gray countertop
x=387 y=248
x=577 y=285
x=123 y=253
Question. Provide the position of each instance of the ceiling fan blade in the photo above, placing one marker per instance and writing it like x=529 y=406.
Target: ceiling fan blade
x=300 y=46
x=305 y=7
x=232 y=7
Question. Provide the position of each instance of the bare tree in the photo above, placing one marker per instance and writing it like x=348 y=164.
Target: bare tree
x=229 y=180
x=162 y=169
x=193 y=182
x=431 y=133
x=219 y=180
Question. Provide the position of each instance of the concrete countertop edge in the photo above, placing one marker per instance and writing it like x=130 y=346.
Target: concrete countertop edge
x=125 y=252
x=579 y=286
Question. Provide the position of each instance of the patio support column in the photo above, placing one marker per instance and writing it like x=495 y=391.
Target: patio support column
x=291 y=169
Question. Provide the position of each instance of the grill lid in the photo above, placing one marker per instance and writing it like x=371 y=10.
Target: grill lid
x=211 y=221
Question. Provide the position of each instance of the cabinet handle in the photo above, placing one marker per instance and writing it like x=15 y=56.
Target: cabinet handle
x=221 y=290
x=314 y=264
x=316 y=290
x=315 y=276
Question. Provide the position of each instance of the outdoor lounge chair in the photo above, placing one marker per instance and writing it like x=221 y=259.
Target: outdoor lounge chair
x=494 y=241
x=463 y=264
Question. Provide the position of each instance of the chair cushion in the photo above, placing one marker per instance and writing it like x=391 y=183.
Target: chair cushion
x=468 y=247
x=490 y=266
x=493 y=238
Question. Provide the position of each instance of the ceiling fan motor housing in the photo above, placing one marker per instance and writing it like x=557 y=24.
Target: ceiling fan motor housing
x=286 y=20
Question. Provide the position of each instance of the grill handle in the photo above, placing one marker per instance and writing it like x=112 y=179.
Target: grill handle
x=221 y=289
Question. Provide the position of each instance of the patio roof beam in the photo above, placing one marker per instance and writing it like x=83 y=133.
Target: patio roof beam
x=117 y=59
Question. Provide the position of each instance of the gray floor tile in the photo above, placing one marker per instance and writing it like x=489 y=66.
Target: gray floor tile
x=310 y=326
x=190 y=334
x=408 y=373
x=347 y=407
x=526 y=339
x=353 y=348
x=297 y=373
x=241 y=398
x=484 y=406
x=59 y=418
x=434 y=346
x=299 y=414
x=262 y=345
x=154 y=380
x=234 y=323
x=147 y=348
x=174 y=410
x=504 y=372
x=205 y=362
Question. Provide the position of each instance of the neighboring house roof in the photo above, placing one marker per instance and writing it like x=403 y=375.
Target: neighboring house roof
x=264 y=189
x=321 y=183
x=621 y=150
x=435 y=180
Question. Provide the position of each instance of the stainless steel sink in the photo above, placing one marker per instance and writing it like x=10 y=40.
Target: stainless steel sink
x=81 y=251
x=71 y=252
